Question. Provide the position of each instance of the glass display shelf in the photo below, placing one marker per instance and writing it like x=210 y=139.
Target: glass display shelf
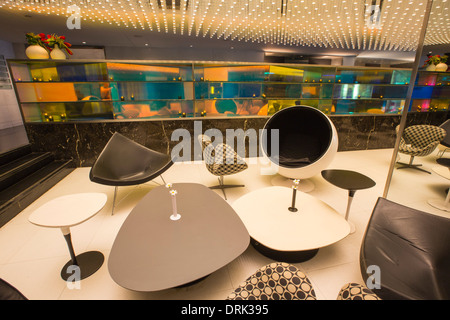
x=73 y=90
x=431 y=92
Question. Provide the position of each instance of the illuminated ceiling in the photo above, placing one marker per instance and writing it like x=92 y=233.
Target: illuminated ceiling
x=346 y=24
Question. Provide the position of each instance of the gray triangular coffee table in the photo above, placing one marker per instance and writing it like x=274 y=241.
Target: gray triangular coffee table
x=152 y=252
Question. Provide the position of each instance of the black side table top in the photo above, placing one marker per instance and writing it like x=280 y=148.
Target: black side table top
x=349 y=180
x=444 y=162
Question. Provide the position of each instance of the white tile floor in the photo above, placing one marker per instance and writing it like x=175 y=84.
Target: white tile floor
x=31 y=257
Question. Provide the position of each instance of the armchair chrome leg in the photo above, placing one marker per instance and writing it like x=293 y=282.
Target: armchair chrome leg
x=412 y=166
x=223 y=186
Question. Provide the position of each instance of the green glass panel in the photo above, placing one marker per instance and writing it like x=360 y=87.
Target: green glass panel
x=401 y=77
x=363 y=76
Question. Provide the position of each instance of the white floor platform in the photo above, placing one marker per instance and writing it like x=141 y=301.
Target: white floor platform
x=31 y=257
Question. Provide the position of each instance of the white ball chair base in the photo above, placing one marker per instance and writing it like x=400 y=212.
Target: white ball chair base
x=305 y=185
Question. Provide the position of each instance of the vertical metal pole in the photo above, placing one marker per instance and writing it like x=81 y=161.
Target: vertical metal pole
x=409 y=94
x=114 y=200
x=294 y=194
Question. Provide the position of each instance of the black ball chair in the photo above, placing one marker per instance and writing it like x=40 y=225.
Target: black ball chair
x=308 y=142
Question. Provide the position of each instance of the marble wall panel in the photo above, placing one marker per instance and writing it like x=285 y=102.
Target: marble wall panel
x=83 y=142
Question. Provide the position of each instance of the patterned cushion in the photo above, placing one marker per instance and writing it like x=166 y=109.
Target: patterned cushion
x=276 y=281
x=355 y=291
x=421 y=140
x=221 y=160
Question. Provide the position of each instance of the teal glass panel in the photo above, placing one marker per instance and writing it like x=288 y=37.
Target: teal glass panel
x=154 y=109
x=249 y=90
x=215 y=90
x=231 y=90
x=241 y=90
x=130 y=91
x=401 y=77
x=352 y=91
x=201 y=90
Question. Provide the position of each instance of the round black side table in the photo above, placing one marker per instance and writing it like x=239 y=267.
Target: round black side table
x=348 y=180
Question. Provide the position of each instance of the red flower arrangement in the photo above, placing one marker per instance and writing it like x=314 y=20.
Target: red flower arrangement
x=53 y=40
x=37 y=39
x=49 y=42
x=435 y=59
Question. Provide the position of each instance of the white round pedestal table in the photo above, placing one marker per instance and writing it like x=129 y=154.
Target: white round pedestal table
x=65 y=212
x=283 y=234
x=443 y=171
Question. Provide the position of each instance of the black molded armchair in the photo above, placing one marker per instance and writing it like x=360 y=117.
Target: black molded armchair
x=124 y=162
x=411 y=249
x=8 y=292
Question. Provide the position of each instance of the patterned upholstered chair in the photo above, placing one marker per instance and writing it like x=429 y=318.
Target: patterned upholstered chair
x=356 y=291
x=275 y=281
x=221 y=160
x=445 y=143
x=419 y=141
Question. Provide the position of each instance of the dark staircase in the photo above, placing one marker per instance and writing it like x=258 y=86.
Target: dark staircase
x=25 y=176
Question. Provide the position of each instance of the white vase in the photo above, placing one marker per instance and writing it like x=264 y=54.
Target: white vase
x=57 y=54
x=431 y=67
x=441 y=67
x=36 y=52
